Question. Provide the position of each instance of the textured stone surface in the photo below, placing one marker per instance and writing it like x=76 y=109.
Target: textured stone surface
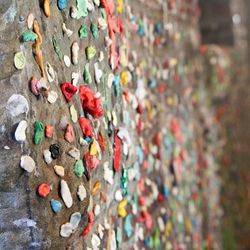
x=18 y=188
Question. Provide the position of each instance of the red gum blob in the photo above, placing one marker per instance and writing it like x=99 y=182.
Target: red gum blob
x=121 y=27
x=175 y=129
x=142 y=201
x=203 y=49
x=92 y=162
x=146 y=148
x=49 y=130
x=86 y=127
x=126 y=96
x=141 y=185
x=139 y=126
x=101 y=141
x=33 y=86
x=160 y=198
x=91 y=218
x=117 y=154
x=108 y=5
x=157 y=41
x=158 y=156
x=69 y=133
x=113 y=28
x=68 y=90
x=139 y=109
x=114 y=58
x=90 y=103
x=145 y=164
x=162 y=88
x=157 y=139
x=147 y=219
x=43 y=190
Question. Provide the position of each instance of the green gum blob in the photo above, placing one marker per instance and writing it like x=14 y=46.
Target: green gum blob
x=119 y=235
x=82 y=8
x=94 y=30
x=78 y=168
x=156 y=239
x=39 y=133
x=57 y=47
x=83 y=31
x=28 y=36
x=86 y=74
x=103 y=13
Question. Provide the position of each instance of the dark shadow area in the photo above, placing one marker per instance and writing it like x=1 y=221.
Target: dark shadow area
x=216 y=22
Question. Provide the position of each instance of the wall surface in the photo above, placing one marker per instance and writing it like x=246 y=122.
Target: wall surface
x=148 y=154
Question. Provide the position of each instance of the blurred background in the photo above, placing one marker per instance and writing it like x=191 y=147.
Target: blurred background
x=225 y=33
